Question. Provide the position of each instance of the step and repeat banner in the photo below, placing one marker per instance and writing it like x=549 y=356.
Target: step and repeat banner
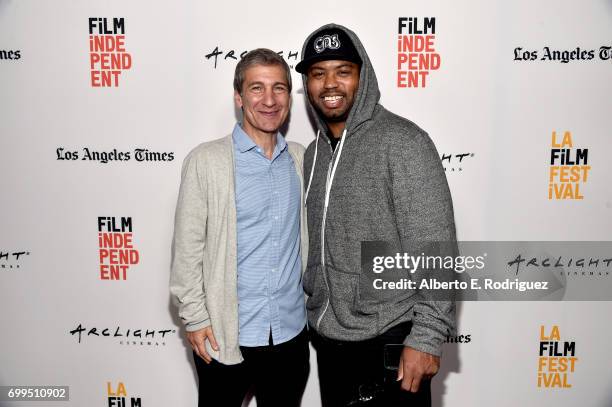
x=101 y=101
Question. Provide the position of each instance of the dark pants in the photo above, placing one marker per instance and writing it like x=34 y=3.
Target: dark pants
x=354 y=373
x=278 y=374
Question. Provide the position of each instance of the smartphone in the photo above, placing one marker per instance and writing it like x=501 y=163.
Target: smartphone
x=393 y=351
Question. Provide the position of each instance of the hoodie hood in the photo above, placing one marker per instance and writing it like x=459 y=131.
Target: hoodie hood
x=367 y=95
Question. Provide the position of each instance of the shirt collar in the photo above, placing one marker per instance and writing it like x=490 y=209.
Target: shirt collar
x=242 y=140
x=245 y=143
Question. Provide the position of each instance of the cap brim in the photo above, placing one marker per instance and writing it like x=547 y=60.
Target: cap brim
x=302 y=66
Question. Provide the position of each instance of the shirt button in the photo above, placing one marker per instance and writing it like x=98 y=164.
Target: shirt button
x=276 y=218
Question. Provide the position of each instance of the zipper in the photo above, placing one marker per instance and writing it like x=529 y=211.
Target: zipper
x=323 y=268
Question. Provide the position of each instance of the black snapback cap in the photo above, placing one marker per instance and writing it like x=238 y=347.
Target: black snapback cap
x=326 y=44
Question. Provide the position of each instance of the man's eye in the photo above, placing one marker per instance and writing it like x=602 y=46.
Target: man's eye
x=280 y=89
x=317 y=74
x=256 y=89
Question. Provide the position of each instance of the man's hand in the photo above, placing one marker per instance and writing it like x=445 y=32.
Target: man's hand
x=198 y=339
x=415 y=366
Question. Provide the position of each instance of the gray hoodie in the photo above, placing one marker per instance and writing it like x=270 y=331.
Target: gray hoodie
x=388 y=185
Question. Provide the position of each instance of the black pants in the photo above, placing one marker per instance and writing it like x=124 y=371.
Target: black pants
x=278 y=374
x=354 y=373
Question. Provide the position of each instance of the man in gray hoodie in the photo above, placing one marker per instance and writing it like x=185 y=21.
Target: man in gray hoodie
x=372 y=176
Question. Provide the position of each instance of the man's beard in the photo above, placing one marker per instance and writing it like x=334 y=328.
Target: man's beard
x=332 y=119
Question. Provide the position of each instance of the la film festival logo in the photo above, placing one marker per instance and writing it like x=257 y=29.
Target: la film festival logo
x=569 y=168
x=416 y=51
x=557 y=360
x=118 y=396
x=108 y=57
x=116 y=247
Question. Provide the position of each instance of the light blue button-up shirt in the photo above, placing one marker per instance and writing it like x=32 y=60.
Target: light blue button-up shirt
x=270 y=295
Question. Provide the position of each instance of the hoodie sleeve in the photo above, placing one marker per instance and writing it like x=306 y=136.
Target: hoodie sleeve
x=424 y=213
x=186 y=278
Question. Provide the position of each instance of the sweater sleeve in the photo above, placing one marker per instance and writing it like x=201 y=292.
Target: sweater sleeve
x=424 y=215
x=186 y=277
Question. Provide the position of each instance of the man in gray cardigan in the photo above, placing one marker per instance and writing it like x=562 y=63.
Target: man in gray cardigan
x=240 y=245
x=373 y=176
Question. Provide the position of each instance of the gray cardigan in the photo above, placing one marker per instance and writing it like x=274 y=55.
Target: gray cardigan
x=204 y=266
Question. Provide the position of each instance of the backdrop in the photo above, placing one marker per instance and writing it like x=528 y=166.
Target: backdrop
x=101 y=101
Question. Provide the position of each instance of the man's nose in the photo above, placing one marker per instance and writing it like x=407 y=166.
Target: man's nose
x=269 y=97
x=330 y=81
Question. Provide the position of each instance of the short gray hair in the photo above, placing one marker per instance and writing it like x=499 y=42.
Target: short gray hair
x=259 y=56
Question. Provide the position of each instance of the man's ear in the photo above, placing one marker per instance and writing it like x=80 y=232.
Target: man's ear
x=238 y=99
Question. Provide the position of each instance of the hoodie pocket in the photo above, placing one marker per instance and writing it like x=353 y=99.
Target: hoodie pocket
x=379 y=293
x=349 y=311
x=314 y=287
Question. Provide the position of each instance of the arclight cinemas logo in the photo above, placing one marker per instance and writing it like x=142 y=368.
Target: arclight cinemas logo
x=108 y=57
x=454 y=162
x=221 y=55
x=125 y=336
x=12 y=259
x=416 y=51
x=116 y=247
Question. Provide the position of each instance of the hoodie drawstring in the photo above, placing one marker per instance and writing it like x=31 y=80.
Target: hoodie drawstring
x=328 y=185
x=333 y=172
x=314 y=163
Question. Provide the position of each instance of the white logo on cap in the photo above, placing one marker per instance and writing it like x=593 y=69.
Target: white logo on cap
x=326 y=42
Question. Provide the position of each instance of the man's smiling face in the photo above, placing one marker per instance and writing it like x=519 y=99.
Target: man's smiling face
x=265 y=99
x=332 y=86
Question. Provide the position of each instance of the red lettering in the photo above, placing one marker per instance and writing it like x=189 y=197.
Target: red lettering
x=95 y=79
x=412 y=79
x=416 y=43
x=401 y=58
x=401 y=79
x=118 y=272
x=120 y=43
x=104 y=272
x=93 y=59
